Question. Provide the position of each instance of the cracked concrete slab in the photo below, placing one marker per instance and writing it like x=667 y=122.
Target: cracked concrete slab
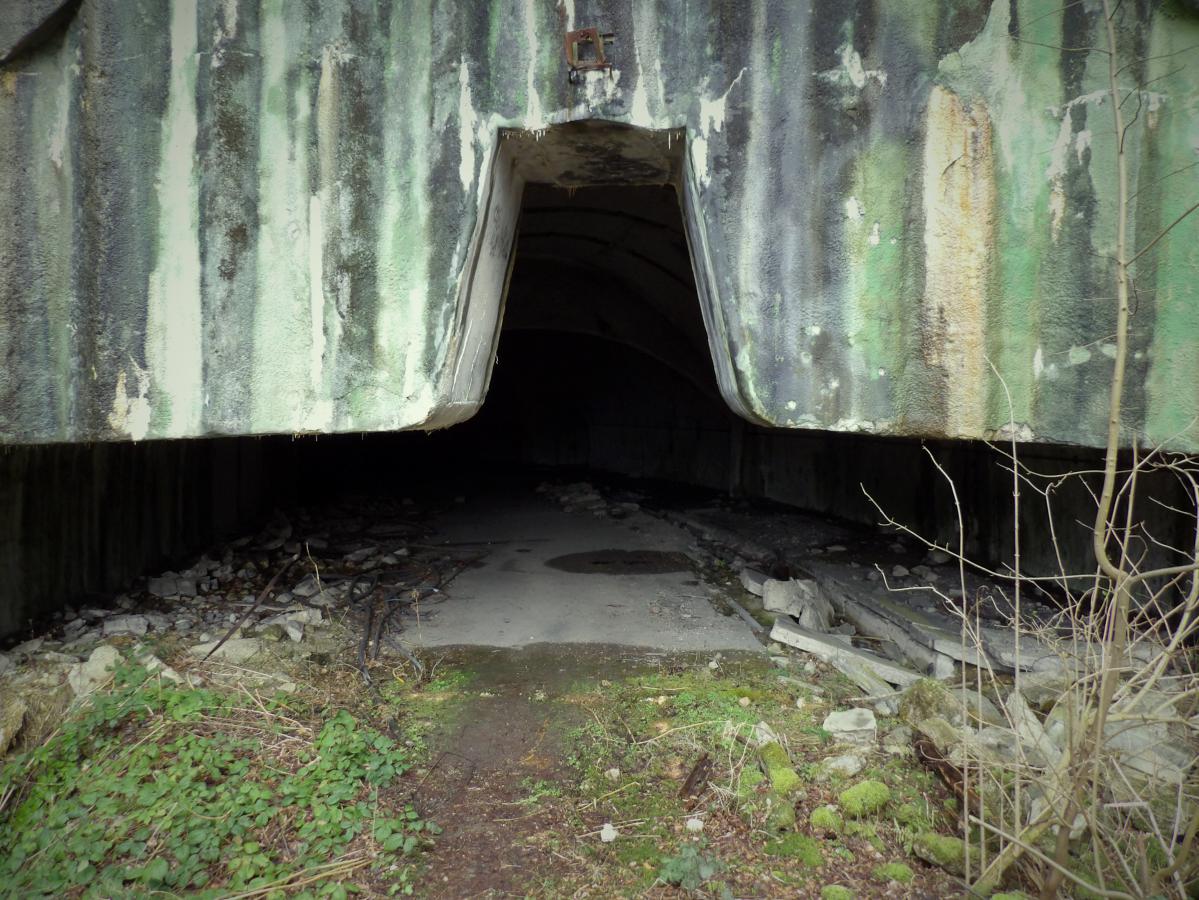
x=512 y=598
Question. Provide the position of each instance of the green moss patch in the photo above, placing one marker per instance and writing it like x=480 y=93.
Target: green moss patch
x=941 y=850
x=895 y=871
x=799 y=847
x=864 y=798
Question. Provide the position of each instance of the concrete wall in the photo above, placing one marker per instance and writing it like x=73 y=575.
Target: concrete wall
x=255 y=216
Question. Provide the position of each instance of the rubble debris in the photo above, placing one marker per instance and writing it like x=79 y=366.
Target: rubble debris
x=12 y=719
x=234 y=650
x=84 y=678
x=754 y=581
x=128 y=624
x=832 y=650
x=801 y=598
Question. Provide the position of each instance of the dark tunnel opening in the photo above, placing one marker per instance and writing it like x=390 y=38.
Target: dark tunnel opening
x=603 y=358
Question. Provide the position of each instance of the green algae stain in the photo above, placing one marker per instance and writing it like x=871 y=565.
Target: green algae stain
x=878 y=292
x=1173 y=380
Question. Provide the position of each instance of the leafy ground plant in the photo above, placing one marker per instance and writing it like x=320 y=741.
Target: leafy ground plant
x=156 y=787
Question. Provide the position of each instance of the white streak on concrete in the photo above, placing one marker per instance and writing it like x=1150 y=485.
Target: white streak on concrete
x=173 y=321
x=466 y=128
x=534 y=116
x=316 y=292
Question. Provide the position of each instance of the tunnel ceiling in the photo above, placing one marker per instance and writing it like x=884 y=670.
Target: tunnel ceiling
x=263 y=217
x=611 y=262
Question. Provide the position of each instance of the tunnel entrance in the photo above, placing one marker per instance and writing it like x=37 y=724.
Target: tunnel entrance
x=603 y=358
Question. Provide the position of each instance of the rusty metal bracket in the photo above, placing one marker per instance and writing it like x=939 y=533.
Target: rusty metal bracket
x=576 y=43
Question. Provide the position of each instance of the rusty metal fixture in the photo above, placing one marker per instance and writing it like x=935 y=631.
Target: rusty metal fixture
x=580 y=38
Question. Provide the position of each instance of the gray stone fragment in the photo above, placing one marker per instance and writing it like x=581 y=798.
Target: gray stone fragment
x=27 y=648
x=801 y=598
x=156 y=666
x=307 y=587
x=86 y=677
x=157 y=621
x=12 y=717
x=855 y=726
x=234 y=650
x=847 y=764
x=753 y=581
x=117 y=625
x=165 y=585
x=831 y=649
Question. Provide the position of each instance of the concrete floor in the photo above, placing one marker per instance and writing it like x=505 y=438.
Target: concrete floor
x=514 y=599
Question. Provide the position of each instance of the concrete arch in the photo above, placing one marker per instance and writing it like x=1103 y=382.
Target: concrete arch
x=578 y=155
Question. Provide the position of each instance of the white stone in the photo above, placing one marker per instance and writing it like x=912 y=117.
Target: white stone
x=852 y=726
x=900 y=572
x=608 y=833
x=613 y=774
x=115 y=625
x=695 y=825
x=86 y=677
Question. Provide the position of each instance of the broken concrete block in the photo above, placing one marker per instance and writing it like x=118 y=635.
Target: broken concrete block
x=852 y=726
x=943 y=667
x=307 y=587
x=117 y=625
x=829 y=649
x=753 y=581
x=85 y=677
x=156 y=666
x=234 y=650
x=801 y=598
x=165 y=585
x=1030 y=730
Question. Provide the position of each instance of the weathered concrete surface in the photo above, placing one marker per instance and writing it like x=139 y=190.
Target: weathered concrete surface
x=514 y=599
x=243 y=217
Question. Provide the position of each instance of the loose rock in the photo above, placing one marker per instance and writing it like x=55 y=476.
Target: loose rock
x=12 y=718
x=85 y=677
x=801 y=598
x=852 y=726
x=234 y=650
x=117 y=625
